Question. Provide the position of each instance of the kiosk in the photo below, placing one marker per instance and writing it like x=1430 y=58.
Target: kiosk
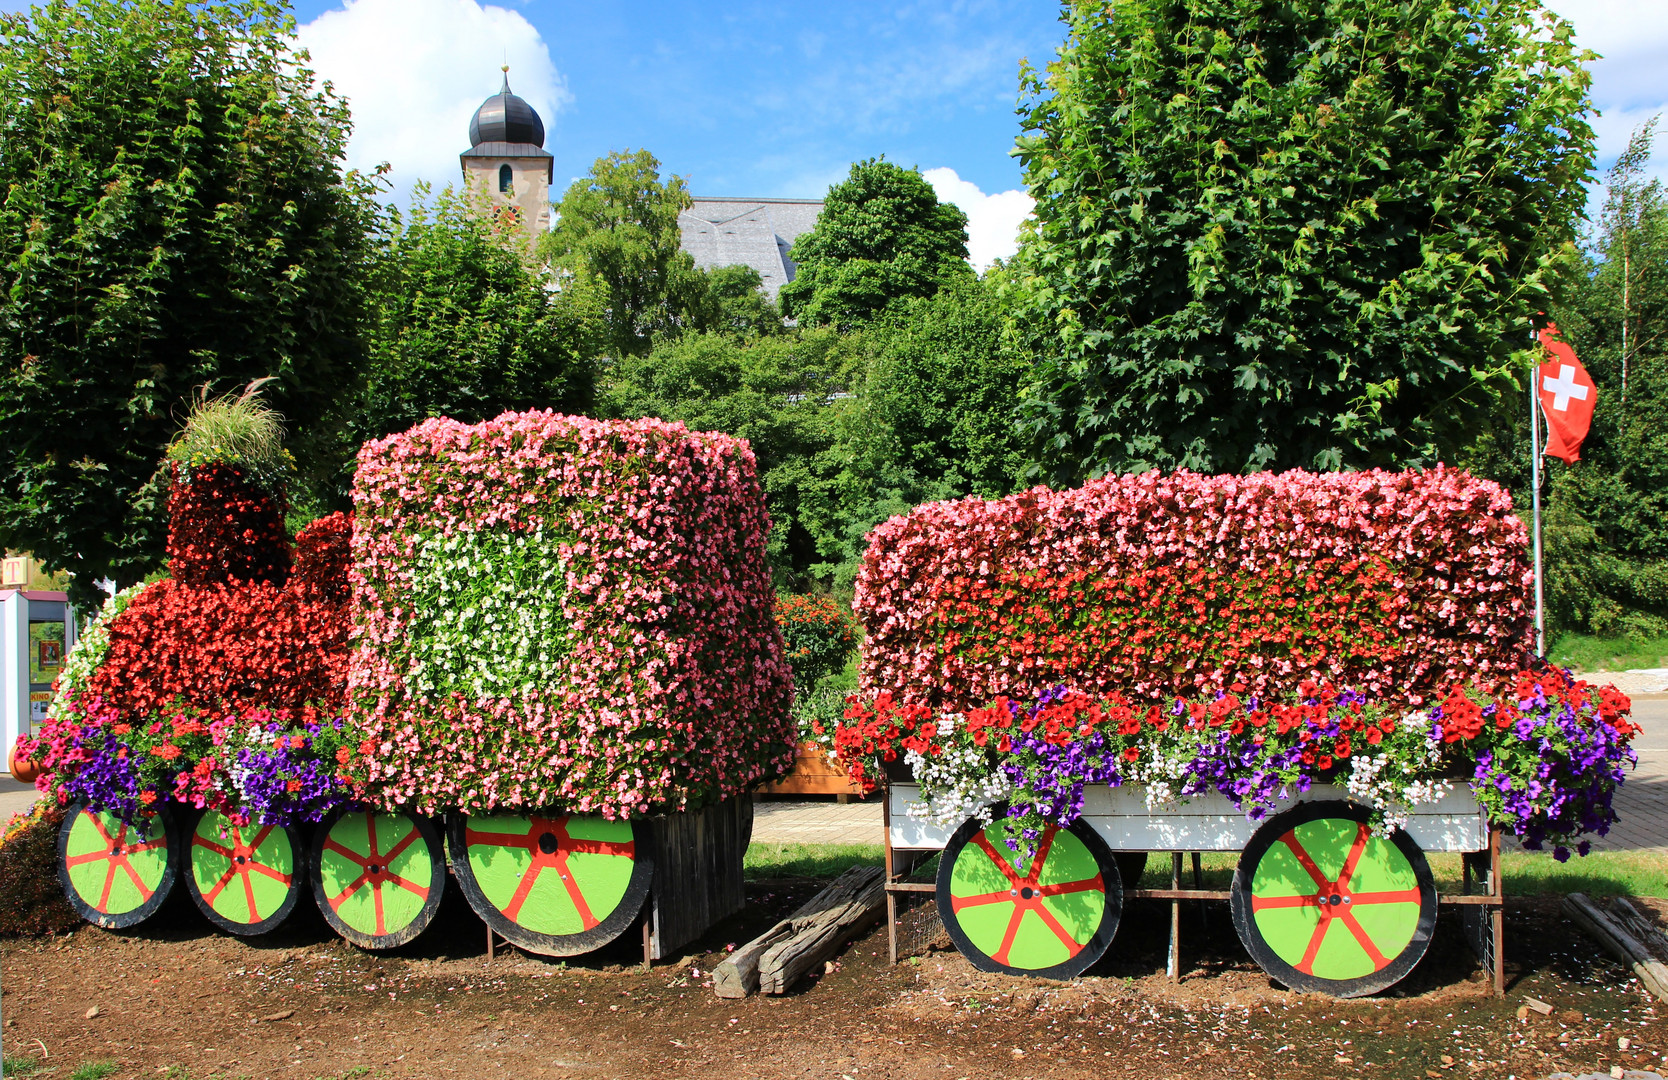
x=37 y=630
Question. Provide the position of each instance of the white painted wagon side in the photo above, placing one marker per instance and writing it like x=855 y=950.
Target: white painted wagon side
x=1203 y=823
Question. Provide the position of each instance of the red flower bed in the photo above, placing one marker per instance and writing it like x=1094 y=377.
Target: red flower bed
x=1395 y=583
x=322 y=557
x=222 y=527
x=276 y=647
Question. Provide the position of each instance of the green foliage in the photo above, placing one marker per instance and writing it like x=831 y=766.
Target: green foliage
x=737 y=305
x=174 y=213
x=462 y=326
x=820 y=637
x=242 y=431
x=785 y=394
x=619 y=226
x=882 y=235
x=1308 y=234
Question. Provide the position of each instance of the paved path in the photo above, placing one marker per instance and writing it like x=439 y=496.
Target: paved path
x=1642 y=802
x=817 y=821
x=14 y=797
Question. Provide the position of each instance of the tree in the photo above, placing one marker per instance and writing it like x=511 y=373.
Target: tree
x=882 y=235
x=462 y=326
x=620 y=225
x=1607 y=514
x=174 y=213
x=736 y=304
x=1272 y=235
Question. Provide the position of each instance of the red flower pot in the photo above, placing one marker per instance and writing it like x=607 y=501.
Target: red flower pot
x=24 y=769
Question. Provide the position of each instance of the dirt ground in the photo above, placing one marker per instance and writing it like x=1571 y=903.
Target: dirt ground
x=178 y=999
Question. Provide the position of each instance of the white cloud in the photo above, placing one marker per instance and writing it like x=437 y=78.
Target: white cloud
x=1628 y=87
x=414 y=71
x=992 y=220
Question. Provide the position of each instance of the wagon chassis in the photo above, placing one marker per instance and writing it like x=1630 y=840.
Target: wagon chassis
x=1482 y=903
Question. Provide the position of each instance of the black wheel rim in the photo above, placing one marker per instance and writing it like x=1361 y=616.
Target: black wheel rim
x=1053 y=917
x=377 y=877
x=1323 y=906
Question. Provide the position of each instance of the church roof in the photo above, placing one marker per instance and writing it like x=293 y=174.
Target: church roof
x=505 y=118
x=749 y=232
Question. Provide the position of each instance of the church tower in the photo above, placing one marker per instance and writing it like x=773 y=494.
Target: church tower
x=506 y=170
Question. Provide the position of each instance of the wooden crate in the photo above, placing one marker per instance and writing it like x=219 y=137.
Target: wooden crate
x=814 y=773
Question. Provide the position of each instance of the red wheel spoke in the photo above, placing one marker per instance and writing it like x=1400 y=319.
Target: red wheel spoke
x=93 y=820
x=231 y=872
x=91 y=856
x=133 y=875
x=1396 y=896
x=959 y=902
x=270 y=871
x=1366 y=943
x=346 y=853
x=148 y=845
x=420 y=891
x=212 y=846
x=249 y=895
x=586 y=919
x=1354 y=855
x=1072 y=945
x=513 y=908
x=627 y=848
x=1093 y=884
x=1002 y=864
x=370 y=834
x=1290 y=840
x=1307 y=964
x=492 y=839
x=410 y=838
x=109 y=880
x=1262 y=903
x=340 y=898
x=1001 y=954
x=1041 y=856
x=260 y=837
x=376 y=900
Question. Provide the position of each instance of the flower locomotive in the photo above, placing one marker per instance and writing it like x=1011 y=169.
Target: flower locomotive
x=540 y=649
x=1326 y=674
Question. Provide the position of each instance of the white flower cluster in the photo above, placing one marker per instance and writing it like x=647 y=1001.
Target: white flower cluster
x=487 y=614
x=1161 y=775
x=91 y=646
x=1391 y=792
x=957 y=784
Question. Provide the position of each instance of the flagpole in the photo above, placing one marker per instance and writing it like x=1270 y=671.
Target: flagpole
x=1535 y=501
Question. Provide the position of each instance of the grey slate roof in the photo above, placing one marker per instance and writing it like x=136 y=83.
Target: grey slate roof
x=751 y=232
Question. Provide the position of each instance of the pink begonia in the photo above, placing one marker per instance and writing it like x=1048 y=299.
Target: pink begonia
x=675 y=692
x=1157 y=585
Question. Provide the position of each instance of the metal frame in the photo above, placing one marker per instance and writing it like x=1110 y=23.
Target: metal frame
x=900 y=861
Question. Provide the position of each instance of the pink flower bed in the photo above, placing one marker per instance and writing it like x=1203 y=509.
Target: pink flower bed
x=562 y=612
x=1167 y=585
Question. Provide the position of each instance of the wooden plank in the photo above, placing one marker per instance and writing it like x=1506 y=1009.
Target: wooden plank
x=813 y=774
x=1621 y=944
x=698 y=871
x=785 y=953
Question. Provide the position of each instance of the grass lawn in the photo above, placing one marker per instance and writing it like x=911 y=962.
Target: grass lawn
x=1587 y=653
x=1527 y=873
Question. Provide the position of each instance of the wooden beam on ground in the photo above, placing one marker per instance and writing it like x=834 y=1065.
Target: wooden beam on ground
x=1619 y=942
x=782 y=955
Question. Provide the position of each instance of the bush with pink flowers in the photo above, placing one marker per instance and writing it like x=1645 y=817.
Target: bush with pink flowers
x=557 y=611
x=1153 y=586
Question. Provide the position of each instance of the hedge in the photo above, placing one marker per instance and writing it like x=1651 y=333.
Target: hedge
x=1153 y=586
x=557 y=611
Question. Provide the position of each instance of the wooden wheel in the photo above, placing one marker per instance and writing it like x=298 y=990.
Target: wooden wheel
x=1326 y=907
x=559 y=885
x=1053 y=918
x=245 y=879
x=114 y=874
x=377 y=877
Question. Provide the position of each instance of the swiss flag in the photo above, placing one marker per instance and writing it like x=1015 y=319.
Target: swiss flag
x=1567 y=397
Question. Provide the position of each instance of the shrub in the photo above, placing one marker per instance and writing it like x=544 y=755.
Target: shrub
x=31 y=901
x=562 y=612
x=819 y=637
x=1158 y=585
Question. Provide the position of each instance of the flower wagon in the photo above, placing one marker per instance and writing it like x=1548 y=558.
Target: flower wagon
x=1322 y=674
x=540 y=653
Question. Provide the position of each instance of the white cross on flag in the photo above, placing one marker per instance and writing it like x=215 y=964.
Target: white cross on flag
x=1567 y=396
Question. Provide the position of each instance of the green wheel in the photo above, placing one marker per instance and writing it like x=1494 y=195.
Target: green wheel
x=116 y=875
x=1324 y=906
x=557 y=885
x=245 y=879
x=1052 y=917
x=377 y=877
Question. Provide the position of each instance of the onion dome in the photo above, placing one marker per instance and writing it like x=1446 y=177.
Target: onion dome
x=505 y=118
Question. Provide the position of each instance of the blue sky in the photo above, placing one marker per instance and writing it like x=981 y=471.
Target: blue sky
x=778 y=98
